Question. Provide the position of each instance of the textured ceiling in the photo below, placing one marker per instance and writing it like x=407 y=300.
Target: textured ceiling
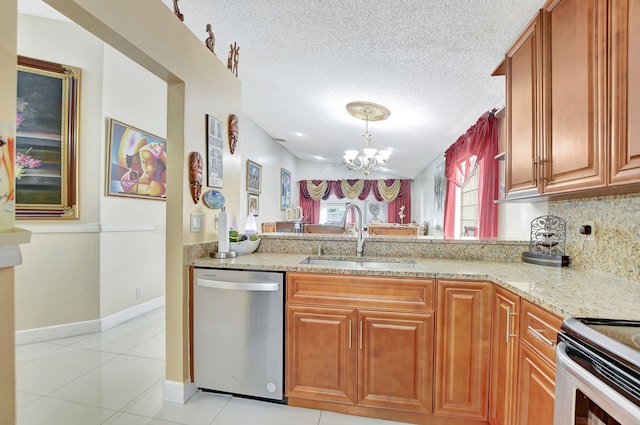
x=302 y=61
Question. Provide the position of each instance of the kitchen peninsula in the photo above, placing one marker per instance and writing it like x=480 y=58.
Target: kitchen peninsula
x=565 y=291
x=422 y=338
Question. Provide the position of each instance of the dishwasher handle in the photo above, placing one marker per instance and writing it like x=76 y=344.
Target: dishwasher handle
x=238 y=286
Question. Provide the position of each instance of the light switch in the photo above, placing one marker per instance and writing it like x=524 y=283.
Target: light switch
x=196 y=222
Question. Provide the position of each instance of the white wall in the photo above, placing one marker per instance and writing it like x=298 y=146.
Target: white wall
x=132 y=248
x=259 y=147
x=7 y=308
x=423 y=198
x=96 y=264
x=59 y=279
x=78 y=270
x=333 y=171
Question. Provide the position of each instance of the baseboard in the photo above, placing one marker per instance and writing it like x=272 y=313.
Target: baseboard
x=131 y=313
x=66 y=330
x=31 y=336
x=178 y=392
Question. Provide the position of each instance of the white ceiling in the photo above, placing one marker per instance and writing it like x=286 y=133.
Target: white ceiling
x=302 y=61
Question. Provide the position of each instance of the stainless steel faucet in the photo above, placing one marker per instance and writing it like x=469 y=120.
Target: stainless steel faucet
x=359 y=227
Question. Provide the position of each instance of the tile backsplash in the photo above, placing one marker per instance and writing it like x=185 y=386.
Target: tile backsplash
x=615 y=248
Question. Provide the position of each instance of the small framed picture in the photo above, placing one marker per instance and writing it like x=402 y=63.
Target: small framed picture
x=285 y=189
x=214 y=152
x=254 y=177
x=253 y=203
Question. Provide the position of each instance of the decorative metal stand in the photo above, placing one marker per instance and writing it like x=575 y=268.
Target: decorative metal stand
x=548 y=242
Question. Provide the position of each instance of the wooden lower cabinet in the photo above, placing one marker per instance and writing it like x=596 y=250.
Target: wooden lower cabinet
x=504 y=357
x=395 y=360
x=364 y=354
x=536 y=365
x=536 y=387
x=320 y=355
x=450 y=352
x=463 y=329
x=393 y=353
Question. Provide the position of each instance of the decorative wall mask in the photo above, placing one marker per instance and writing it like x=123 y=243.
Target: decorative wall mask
x=233 y=132
x=195 y=176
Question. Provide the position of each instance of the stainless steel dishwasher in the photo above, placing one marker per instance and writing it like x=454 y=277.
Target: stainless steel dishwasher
x=238 y=332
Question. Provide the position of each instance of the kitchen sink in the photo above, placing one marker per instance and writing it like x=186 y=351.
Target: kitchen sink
x=362 y=264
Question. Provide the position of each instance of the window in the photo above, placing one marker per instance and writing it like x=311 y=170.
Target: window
x=332 y=213
x=469 y=204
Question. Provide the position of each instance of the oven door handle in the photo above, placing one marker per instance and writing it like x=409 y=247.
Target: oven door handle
x=571 y=376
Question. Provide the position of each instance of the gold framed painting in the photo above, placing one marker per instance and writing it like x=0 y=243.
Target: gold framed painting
x=46 y=139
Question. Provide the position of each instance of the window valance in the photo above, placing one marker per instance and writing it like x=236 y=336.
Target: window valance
x=394 y=191
x=383 y=190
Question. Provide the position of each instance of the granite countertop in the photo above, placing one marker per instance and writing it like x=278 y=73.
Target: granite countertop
x=565 y=291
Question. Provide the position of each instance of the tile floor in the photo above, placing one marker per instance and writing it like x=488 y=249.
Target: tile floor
x=115 y=378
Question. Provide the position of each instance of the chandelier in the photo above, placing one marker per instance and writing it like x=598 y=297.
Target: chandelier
x=370 y=159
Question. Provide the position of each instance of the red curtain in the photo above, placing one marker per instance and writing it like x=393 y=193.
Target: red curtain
x=481 y=141
x=403 y=200
x=310 y=208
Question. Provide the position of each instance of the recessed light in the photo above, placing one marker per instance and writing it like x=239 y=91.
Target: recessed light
x=298 y=134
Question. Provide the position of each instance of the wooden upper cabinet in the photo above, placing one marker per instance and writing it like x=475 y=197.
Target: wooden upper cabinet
x=574 y=95
x=523 y=67
x=463 y=326
x=625 y=91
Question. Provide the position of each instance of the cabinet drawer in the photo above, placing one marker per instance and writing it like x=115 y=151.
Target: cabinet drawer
x=539 y=328
x=395 y=293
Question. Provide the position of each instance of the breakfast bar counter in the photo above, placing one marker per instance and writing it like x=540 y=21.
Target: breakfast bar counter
x=565 y=291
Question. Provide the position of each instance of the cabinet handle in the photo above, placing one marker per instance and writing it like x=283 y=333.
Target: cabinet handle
x=361 y=334
x=539 y=334
x=350 y=323
x=534 y=172
x=508 y=330
x=540 y=170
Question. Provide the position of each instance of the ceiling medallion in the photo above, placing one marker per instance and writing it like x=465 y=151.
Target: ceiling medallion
x=370 y=159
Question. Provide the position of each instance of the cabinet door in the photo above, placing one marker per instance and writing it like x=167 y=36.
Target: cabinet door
x=320 y=353
x=574 y=93
x=536 y=387
x=625 y=91
x=523 y=98
x=395 y=360
x=463 y=325
x=504 y=357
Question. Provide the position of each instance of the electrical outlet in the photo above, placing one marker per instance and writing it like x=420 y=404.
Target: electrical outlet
x=138 y=292
x=590 y=237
